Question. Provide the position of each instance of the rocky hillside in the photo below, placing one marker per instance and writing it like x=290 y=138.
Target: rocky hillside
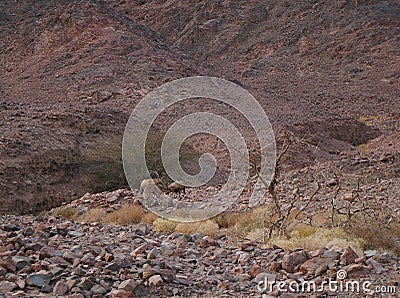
x=326 y=73
x=72 y=71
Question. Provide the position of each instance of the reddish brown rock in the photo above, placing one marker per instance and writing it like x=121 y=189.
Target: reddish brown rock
x=148 y=272
x=60 y=289
x=128 y=285
x=7 y=286
x=246 y=245
x=292 y=260
x=255 y=270
x=360 y=260
x=122 y=294
x=20 y=283
x=108 y=257
x=274 y=266
x=77 y=295
x=46 y=252
x=354 y=270
x=156 y=281
x=348 y=257
x=139 y=250
x=378 y=268
x=312 y=265
x=8 y=264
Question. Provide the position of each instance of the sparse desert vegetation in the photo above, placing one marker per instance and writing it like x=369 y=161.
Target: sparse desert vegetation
x=67 y=213
x=326 y=74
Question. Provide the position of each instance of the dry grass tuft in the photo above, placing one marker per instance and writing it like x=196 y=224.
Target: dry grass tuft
x=230 y=219
x=149 y=218
x=320 y=237
x=376 y=235
x=311 y=238
x=256 y=219
x=67 y=213
x=207 y=227
x=127 y=215
x=163 y=225
x=93 y=215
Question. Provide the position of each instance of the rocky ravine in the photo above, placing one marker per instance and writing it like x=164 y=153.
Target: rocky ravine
x=71 y=73
x=48 y=256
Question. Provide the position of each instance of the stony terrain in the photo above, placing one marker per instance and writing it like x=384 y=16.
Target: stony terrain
x=48 y=256
x=72 y=71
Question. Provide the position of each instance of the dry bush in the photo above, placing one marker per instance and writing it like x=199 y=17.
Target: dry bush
x=310 y=238
x=375 y=234
x=163 y=225
x=149 y=218
x=306 y=238
x=93 y=215
x=67 y=213
x=100 y=167
x=207 y=227
x=127 y=215
x=260 y=218
x=187 y=155
x=230 y=219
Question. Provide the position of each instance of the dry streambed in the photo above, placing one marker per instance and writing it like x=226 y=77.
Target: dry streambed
x=49 y=256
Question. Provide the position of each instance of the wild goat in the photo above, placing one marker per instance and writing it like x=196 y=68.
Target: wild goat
x=177 y=187
x=154 y=180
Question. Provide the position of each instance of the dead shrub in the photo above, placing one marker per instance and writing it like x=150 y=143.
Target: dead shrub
x=127 y=215
x=229 y=219
x=67 y=213
x=93 y=215
x=207 y=227
x=375 y=234
x=149 y=218
x=163 y=225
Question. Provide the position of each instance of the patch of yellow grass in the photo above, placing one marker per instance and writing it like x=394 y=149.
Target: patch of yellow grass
x=68 y=213
x=376 y=235
x=149 y=218
x=363 y=148
x=368 y=121
x=163 y=225
x=127 y=215
x=207 y=227
x=311 y=238
x=251 y=221
x=230 y=219
x=93 y=215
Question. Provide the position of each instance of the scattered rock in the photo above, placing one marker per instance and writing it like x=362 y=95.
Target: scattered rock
x=122 y=294
x=153 y=253
x=378 y=268
x=7 y=286
x=140 y=250
x=348 y=257
x=128 y=285
x=315 y=266
x=98 y=289
x=21 y=262
x=255 y=270
x=100 y=266
x=46 y=252
x=8 y=264
x=156 y=281
x=60 y=289
x=38 y=279
x=292 y=260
